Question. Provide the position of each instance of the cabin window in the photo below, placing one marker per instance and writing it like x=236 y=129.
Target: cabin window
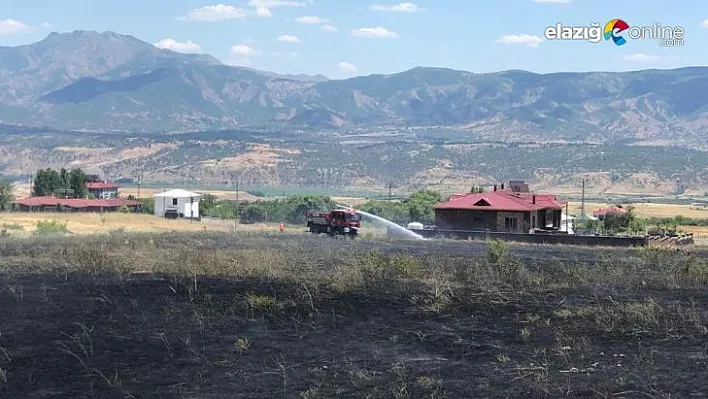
x=174 y=201
x=478 y=221
x=533 y=221
x=511 y=224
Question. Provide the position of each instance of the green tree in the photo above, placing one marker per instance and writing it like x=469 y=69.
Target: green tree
x=147 y=205
x=420 y=206
x=6 y=194
x=618 y=222
x=294 y=208
x=477 y=190
x=77 y=182
x=253 y=213
x=207 y=203
x=637 y=225
x=46 y=182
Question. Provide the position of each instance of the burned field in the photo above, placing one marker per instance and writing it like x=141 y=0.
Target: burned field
x=206 y=315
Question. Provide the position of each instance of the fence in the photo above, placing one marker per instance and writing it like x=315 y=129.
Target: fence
x=604 y=241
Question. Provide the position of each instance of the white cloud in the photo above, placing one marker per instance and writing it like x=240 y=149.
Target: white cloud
x=705 y=24
x=263 y=12
x=329 y=28
x=552 y=1
x=377 y=32
x=11 y=27
x=346 y=67
x=218 y=12
x=527 y=40
x=46 y=25
x=288 y=39
x=641 y=57
x=180 y=47
x=275 y=3
x=401 y=7
x=244 y=50
x=310 y=20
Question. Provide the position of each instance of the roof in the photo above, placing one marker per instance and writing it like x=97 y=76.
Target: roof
x=100 y=185
x=502 y=200
x=177 y=193
x=605 y=211
x=76 y=203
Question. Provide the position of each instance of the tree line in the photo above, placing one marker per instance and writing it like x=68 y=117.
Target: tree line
x=293 y=209
x=49 y=182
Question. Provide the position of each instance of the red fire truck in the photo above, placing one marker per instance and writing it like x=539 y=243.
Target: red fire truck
x=337 y=222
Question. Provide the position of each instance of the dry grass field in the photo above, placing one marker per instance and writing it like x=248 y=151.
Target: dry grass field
x=21 y=223
x=222 y=316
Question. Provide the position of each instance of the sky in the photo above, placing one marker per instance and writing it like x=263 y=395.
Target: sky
x=344 y=38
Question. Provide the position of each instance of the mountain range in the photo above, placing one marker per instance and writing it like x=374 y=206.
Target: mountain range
x=113 y=82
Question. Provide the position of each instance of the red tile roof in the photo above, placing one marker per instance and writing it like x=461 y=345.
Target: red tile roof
x=97 y=185
x=76 y=203
x=613 y=209
x=502 y=200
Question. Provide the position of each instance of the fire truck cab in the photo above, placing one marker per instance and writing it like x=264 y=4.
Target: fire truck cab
x=336 y=222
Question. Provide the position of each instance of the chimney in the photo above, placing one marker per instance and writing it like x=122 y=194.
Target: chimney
x=495 y=187
x=502 y=186
x=533 y=199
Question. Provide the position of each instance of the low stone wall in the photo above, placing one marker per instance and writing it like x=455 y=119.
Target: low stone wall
x=564 y=239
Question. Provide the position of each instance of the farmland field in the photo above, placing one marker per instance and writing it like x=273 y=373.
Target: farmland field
x=648 y=210
x=222 y=315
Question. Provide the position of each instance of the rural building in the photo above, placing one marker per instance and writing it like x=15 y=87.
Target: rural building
x=180 y=203
x=602 y=212
x=102 y=189
x=54 y=204
x=500 y=211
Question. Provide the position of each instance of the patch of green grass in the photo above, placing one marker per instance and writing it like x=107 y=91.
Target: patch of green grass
x=51 y=227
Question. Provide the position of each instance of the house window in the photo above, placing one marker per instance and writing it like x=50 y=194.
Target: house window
x=533 y=221
x=511 y=224
x=174 y=201
x=478 y=221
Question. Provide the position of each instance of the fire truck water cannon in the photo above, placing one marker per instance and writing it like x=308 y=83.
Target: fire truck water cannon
x=345 y=222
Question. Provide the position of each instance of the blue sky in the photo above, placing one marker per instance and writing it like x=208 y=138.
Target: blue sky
x=341 y=38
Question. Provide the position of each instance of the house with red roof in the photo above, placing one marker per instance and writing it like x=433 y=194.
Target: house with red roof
x=102 y=189
x=602 y=212
x=501 y=210
x=56 y=204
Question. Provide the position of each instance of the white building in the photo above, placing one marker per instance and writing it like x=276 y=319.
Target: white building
x=184 y=203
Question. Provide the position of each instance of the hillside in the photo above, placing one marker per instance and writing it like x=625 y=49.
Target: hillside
x=358 y=164
x=108 y=81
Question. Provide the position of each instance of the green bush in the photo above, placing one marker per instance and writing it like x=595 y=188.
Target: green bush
x=51 y=227
x=147 y=205
x=497 y=252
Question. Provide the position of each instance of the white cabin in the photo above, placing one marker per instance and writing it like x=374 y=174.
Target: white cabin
x=185 y=203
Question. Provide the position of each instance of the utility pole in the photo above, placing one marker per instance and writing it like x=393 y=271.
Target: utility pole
x=191 y=209
x=236 y=208
x=138 y=176
x=582 y=203
x=163 y=201
x=390 y=188
x=566 y=218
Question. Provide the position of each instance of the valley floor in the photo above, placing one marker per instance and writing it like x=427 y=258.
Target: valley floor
x=220 y=315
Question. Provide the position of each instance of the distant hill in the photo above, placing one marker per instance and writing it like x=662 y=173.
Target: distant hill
x=109 y=81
